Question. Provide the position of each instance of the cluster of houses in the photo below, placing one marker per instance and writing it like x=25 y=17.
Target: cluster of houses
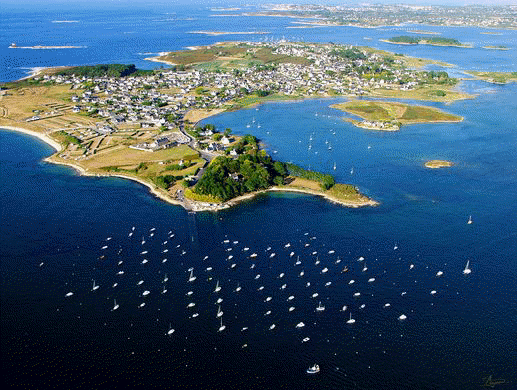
x=163 y=98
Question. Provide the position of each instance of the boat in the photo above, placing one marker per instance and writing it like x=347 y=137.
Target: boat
x=238 y=288
x=217 y=287
x=402 y=317
x=305 y=340
x=300 y=325
x=467 y=270
x=324 y=270
x=170 y=331
x=146 y=292
x=469 y=220
x=334 y=166
x=351 y=320
x=371 y=280
x=344 y=269
x=320 y=307
x=439 y=273
x=191 y=277
x=222 y=327
x=291 y=308
x=219 y=311
x=69 y=294
x=314 y=369
x=272 y=327
x=95 y=287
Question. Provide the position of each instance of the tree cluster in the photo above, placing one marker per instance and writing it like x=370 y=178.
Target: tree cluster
x=109 y=70
x=226 y=178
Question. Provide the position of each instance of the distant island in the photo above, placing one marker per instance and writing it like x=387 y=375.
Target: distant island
x=434 y=41
x=424 y=32
x=217 y=33
x=117 y=120
x=15 y=46
x=498 y=47
x=390 y=116
x=495 y=77
x=435 y=164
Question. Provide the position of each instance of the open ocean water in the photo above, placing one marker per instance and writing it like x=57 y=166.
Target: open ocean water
x=63 y=233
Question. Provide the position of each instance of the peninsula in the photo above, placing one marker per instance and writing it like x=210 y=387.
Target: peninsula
x=390 y=116
x=116 y=120
x=376 y=15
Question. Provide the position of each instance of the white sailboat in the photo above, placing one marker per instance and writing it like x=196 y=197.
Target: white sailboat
x=191 y=277
x=217 y=287
x=469 y=220
x=219 y=311
x=467 y=270
x=222 y=327
x=95 y=287
x=170 y=331
x=320 y=307
x=351 y=320
x=115 y=305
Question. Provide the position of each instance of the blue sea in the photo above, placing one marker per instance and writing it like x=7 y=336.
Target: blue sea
x=277 y=257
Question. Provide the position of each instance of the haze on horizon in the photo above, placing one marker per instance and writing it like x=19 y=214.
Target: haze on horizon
x=214 y=3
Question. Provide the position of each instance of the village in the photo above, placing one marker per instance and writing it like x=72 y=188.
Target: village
x=146 y=126
x=163 y=99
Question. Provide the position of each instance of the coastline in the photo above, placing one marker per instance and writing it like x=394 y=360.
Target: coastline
x=43 y=137
x=188 y=205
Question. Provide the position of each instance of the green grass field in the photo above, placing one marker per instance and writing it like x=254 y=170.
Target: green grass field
x=400 y=112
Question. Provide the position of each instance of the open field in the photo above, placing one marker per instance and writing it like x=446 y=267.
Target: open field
x=131 y=157
x=226 y=56
x=399 y=112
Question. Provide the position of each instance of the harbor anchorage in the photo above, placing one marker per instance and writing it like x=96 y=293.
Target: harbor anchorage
x=264 y=283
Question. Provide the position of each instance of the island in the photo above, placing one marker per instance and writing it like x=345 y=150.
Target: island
x=434 y=41
x=15 y=46
x=495 y=77
x=424 y=32
x=498 y=47
x=117 y=120
x=435 y=164
x=217 y=33
x=390 y=116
